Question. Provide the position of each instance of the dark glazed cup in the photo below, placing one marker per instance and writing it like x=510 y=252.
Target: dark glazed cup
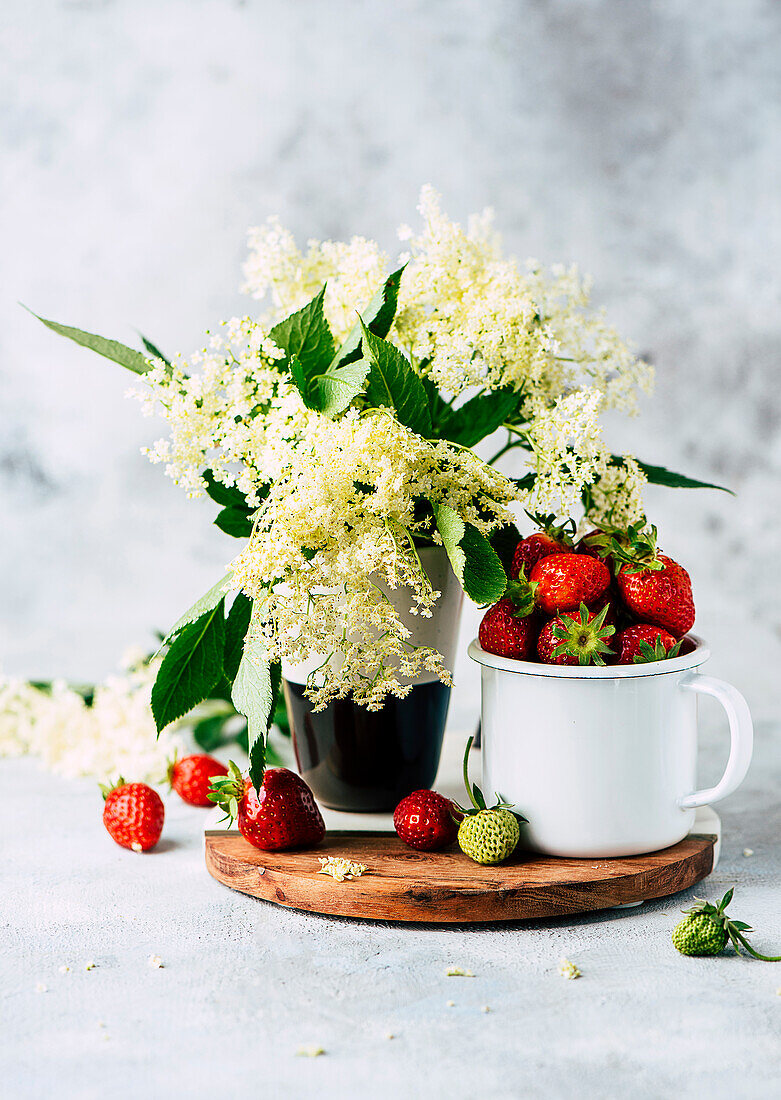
x=367 y=761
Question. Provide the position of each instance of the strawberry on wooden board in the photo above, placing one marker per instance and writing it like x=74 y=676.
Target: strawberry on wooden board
x=565 y=581
x=426 y=820
x=643 y=643
x=660 y=594
x=282 y=814
x=579 y=639
x=191 y=777
x=133 y=815
x=510 y=627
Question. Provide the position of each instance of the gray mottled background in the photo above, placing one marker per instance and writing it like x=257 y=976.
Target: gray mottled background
x=138 y=140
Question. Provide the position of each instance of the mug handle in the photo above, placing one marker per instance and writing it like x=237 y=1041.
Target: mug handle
x=741 y=731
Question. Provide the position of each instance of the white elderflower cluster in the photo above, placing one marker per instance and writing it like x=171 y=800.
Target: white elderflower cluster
x=115 y=735
x=567 y=447
x=277 y=267
x=335 y=537
x=617 y=495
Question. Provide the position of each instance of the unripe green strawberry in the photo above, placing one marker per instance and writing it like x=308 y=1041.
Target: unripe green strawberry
x=489 y=836
x=697 y=934
x=706 y=929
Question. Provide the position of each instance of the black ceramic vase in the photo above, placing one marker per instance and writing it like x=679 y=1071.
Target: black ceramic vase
x=367 y=761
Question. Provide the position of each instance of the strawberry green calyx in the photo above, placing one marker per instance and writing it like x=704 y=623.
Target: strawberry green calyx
x=227 y=791
x=521 y=594
x=107 y=788
x=706 y=929
x=655 y=652
x=561 y=532
x=633 y=550
x=583 y=636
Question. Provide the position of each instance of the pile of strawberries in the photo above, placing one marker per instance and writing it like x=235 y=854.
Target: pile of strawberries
x=611 y=599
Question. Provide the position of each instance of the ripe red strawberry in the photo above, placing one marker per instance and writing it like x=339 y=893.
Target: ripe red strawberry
x=133 y=815
x=565 y=581
x=191 y=777
x=642 y=643
x=283 y=814
x=576 y=639
x=659 y=593
x=510 y=627
x=550 y=539
x=427 y=821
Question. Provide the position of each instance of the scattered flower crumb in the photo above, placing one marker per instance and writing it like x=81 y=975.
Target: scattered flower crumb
x=458 y=972
x=748 y=851
x=41 y=987
x=309 y=1052
x=486 y=1008
x=65 y=970
x=89 y=965
x=155 y=962
x=568 y=969
x=101 y=1023
x=390 y=1035
x=339 y=868
x=450 y=1004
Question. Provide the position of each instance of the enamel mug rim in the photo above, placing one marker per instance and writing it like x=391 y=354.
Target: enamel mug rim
x=698 y=656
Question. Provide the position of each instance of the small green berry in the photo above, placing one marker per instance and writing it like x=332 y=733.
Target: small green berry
x=697 y=934
x=489 y=836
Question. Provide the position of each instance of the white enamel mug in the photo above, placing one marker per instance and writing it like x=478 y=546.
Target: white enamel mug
x=603 y=761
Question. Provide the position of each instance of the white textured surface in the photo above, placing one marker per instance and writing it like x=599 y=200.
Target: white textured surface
x=245 y=984
x=139 y=140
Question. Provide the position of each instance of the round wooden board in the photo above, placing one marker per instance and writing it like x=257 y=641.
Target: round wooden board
x=447 y=887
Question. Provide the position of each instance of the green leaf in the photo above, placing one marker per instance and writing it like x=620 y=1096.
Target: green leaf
x=111 y=349
x=333 y=390
x=254 y=695
x=504 y=541
x=479 y=417
x=205 y=603
x=236 y=627
x=659 y=475
x=474 y=560
x=236 y=522
x=153 y=350
x=438 y=408
x=378 y=317
x=226 y=495
x=190 y=669
x=393 y=384
x=306 y=336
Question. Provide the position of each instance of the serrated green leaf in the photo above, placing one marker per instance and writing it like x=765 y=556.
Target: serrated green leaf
x=659 y=475
x=479 y=417
x=474 y=560
x=306 y=335
x=438 y=408
x=331 y=392
x=110 y=349
x=205 y=603
x=190 y=668
x=393 y=384
x=254 y=695
x=236 y=627
x=235 y=522
x=378 y=317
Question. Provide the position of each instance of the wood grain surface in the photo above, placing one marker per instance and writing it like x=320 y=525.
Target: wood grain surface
x=447 y=887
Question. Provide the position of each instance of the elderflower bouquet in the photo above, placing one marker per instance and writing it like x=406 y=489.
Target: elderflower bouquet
x=337 y=433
